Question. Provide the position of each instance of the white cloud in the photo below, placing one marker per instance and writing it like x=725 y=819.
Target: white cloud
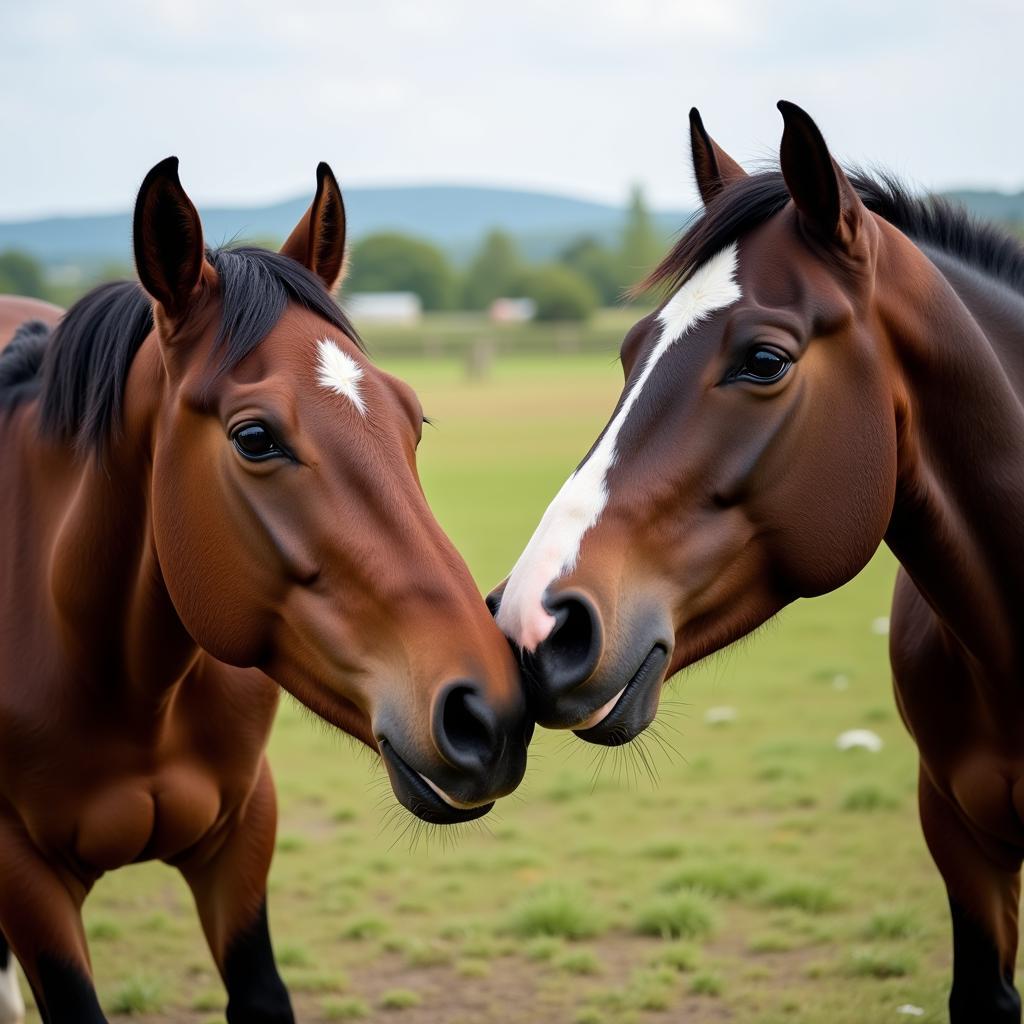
x=582 y=97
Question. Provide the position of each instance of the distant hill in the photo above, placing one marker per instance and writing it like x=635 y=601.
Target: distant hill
x=454 y=217
x=1003 y=206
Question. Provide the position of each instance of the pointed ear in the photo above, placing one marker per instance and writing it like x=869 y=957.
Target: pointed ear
x=318 y=241
x=819 y=187
x=168 y=239
x=712 y=166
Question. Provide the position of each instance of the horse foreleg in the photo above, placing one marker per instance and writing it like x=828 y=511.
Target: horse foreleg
x=984 y=891
x=40 y=914
x=12 y=1005
x=230 y=889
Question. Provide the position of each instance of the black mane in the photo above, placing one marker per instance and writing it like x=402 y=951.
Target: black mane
x=749 y=202
x=79 y=374
x=21 y=362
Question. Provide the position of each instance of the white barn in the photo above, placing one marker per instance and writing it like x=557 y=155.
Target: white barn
x=383 y=307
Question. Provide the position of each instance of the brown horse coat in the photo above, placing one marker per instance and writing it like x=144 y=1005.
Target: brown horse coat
x=207 y=492
x=839 y=364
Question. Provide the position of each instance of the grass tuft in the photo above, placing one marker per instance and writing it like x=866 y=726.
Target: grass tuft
x=809 y=897
x=364 y=928
x=138 y=994
x=771 y=942
x=679 y=956
x=706 y=984
x=543 y=948
x=579 y=961
x=347 y=1008
x=399 y=999
x=556 y=911
x=652 y=988
x=727 y=880
x=473 y=968
x=102 y=930
x=681 y=915
x=866 y=798
x=876 y=963
x=293 y=955
x=427 y=954
x=894 y=924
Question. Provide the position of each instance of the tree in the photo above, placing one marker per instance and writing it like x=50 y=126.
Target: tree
x=641 y=246
x=598 y=264
x=21 y=274
x=392 y=262
x=559 y=292
x=494 y=271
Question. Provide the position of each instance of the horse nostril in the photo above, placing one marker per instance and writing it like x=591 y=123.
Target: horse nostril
x=464 y=727
x=572 y=649
x=493 y=599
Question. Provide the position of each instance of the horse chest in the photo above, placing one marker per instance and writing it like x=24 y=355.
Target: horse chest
x=146 y=818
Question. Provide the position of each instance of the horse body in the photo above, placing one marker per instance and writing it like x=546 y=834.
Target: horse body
x=101 y=659
x=209 y=493
x=849 y=370
x=957 y=636
x=16 y=310
x=112 y=721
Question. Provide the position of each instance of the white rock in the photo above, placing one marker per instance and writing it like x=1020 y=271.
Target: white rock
x=841 y=682
x=720 y=715
x=910 y=1010
x=859 y=739
x=880 y=626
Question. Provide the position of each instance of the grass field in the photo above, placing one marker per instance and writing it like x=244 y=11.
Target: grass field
x=760 y=876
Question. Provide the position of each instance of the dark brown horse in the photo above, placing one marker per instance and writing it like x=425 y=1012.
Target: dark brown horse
x=838 y=364
x=207 y=491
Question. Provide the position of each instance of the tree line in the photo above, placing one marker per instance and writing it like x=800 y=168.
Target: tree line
x=585 y=274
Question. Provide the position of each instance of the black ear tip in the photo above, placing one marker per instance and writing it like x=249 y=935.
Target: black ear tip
x=697 y=129
x=790 y=111
x=166 y=170
x=323 y=171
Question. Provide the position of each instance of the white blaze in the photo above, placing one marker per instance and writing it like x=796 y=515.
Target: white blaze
x=339 y=372
x=555 y=545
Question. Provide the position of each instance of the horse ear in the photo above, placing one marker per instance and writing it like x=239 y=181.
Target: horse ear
x=712 y=166
x=168 y=239
x=318 y=241
x=819 y=187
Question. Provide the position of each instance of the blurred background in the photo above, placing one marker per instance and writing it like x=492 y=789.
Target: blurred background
x=508 y=171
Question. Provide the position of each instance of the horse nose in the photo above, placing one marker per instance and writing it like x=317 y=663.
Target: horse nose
x=493 y=599
x=572 y=650
x=466 y=729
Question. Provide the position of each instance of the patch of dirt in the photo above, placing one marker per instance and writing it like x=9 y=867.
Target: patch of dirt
x=513 y=991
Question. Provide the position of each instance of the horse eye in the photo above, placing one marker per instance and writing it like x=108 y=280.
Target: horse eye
x=763 y=365
x=255 y=442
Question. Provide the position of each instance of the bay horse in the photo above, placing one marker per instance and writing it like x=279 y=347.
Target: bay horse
x=208 y=492
x=837 y=364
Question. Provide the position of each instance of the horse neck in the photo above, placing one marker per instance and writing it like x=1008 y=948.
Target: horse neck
x=110 y=598
x=958 y=342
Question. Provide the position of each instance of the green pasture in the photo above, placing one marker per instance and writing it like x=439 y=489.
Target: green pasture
x=743 y=871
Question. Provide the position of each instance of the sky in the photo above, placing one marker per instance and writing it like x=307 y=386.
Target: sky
x=582 y=98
